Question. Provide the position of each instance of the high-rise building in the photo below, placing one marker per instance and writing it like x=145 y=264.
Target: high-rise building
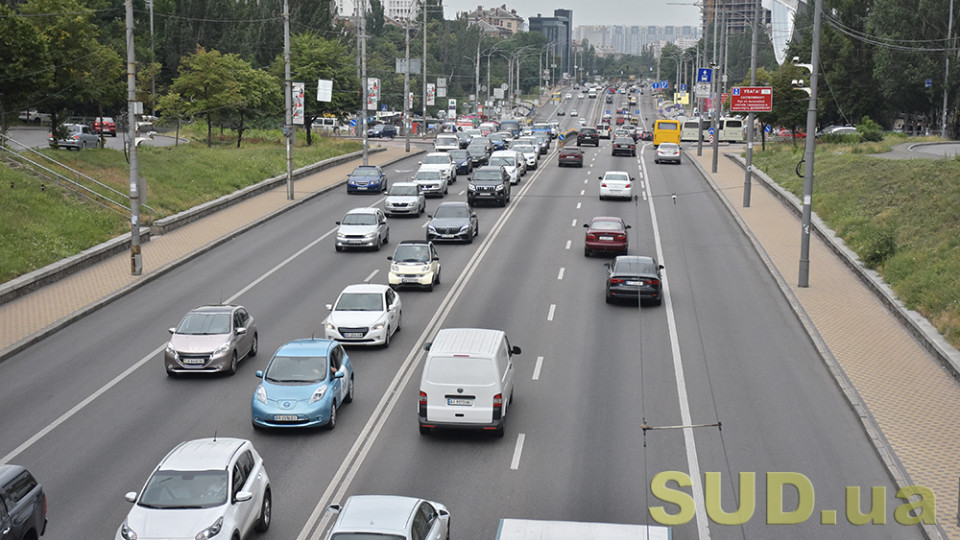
x=558 y=31
x=739 y=14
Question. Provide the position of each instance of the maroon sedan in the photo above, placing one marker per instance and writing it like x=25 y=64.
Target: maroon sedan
x=605 y=235
x=570 y=156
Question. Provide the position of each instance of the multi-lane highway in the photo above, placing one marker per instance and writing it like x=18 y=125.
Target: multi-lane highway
x=724 y=347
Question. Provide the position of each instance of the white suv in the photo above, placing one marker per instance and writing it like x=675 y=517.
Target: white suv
x=440 y=161
x=389 y=516
x=445 y=143
x=200 y=489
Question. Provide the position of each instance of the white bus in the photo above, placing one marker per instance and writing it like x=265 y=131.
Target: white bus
x=731 y=130
x=525 y=529
x=690 y=130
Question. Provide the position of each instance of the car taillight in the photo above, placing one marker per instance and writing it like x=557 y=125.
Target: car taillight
x=621 y=236
x=653 y=282
x=603 y=184
x=617 y=281
x=423 y=404
x=497 y=406
x=591 y=236
x=628 y=185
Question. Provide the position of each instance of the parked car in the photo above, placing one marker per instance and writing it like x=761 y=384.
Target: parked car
x=440 y=161
x=382 y=131
x=605 y=234
x=634 y=277
x=200 y=489
x=367 y=178
x=668 y=153
x=75 y=137
x=461 y=158
x=570 y=155
x=363 y=227
x=624 y=145
x=489 y=183
x=34 y=117
x=212 y=338
x=405 y=199
x=23 y=504
x=616 y=184
x=303 y=385
x=390 y=517
x=364 y=314
x=106 y=125
x=415 y=263
x=431 y=182
x=453 y=221
x=588 y=136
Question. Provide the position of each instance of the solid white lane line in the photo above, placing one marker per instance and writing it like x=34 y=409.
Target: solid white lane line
x=560 y=275
x=578 y=204
x=536 y=368
x=368 y=278
x=693 y=462
x=568 y=244
x=553 y=308
x=515 y=463
x=462 y=192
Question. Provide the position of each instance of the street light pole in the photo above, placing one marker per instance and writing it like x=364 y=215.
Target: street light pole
x=406 y=86
x=423 y=62
x=804 y=280
x=365 y=82
x=747 y=180
x=946 y=71
x=136 y=257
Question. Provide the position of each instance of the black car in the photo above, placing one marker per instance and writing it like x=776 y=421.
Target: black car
x=560 y=112
x=633 y=277
x=453 y=221
x=382 y=131
x=461 y=158
x=624 y=145
x=464 y=139
x=490 y=183
x=478 y=154
x=23 y=504
x=588 y=136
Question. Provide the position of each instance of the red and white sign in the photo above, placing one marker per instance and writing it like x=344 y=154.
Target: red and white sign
x=751 y=99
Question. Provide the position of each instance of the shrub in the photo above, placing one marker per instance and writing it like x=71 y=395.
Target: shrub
x=870 y=130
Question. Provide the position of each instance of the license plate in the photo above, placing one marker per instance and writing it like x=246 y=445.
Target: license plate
x=448 y=235
x=606 y=238
x=285 y=418
x=193 y=361
x=634 y=283
x=354 y=241
x=410 y=280
x=353 y=335
x=461 y=402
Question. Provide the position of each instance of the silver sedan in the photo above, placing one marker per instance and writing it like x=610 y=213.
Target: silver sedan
x=363 y=227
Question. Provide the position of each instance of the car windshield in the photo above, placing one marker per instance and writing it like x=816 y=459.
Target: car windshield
x=435 y=160
x=606 y=225
x=412 y=254
x=487 y=175
x=616 y=176
x=359 y=219
x=447 y=140
x=525 y=148
x=185 y=489
x=369 y=301
x=496 y=137
x=365 y=171
x=296 y=369
x=451 y=212
x=459 y=155
x=403 y=191
x=497 y=161
x=428 y=175
x=668 y=146
x=476 y=149
x=205 y=324
x=365 y=536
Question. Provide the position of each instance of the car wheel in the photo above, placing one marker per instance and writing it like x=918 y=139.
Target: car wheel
x=501 y=431
x=423 y=208
x=379 y=242
x=659 y=299
x=234 y=360
x=255 y=346
x=338 y=248
x=436 y=277
x=609 y=298
x=586 y=252
x=332 y=423
x=349 y=397
x=266 y=513
x=171 y=374
x=503 y=202
x=386 y=239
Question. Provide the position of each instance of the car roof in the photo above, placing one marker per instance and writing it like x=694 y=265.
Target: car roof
x=466 y=341
x=376 y=167
x=202 y=454
x=9 y=471
x=377 y=514
x=625 y=173
x=633 y=259
x=495 y=168
x=607 y=218
x=454 y=203
x=366 y=210
x=365 y=288
x=415 y=242
x=403 y=184
x=437 y=154
x=218 y=308
x=306 y=347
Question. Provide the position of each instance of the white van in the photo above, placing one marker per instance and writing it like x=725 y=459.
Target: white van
x=690 y=129
x=467 y=381
x=731 y=130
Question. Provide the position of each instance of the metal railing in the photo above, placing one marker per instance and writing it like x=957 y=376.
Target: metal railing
x=69 y=178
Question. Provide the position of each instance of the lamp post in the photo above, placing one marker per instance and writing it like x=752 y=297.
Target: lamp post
x=808 y=153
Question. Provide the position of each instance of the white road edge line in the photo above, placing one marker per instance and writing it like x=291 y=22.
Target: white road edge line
x=536 y=368
x=515 y=463
x=553 y=309
x=693 y=463
x=368 y=278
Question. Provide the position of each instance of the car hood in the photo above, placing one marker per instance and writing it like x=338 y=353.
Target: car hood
x=186 y=343
x=359 y=178
x=435 y=167
x=357 y=229
x=394 y=199
x=171 y=523
x=449 y=222
x=286 y=395
x=354 y=318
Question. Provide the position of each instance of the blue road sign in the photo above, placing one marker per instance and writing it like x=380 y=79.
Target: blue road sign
x=383 y=107
x=664 y=85
x=767 y=129
x=710 y=131
x=704 y=75
x=638 y=111
x=683 y=87
x=655 y=86
x=928 y=83
x=607 y=111
x=353 y=122
x=561 y=137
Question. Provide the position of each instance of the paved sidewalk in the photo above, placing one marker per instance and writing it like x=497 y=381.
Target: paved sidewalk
x=29 y=318
x=904 y=389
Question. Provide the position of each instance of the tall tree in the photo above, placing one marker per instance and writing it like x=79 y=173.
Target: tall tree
x=208 y=86
x=23 y=55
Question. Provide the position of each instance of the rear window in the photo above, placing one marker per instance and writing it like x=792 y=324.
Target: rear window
x=459 y=369
x=669 y=126
x=19 y=487
x=634 y=267
x=733 y=124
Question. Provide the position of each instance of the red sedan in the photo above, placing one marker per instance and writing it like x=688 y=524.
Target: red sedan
x=570 y=156
x=105 y=124
x=605 y=235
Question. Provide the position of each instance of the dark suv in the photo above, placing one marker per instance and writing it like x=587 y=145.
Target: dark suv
x=588 y=136
x=23 y=504
x=490 y=183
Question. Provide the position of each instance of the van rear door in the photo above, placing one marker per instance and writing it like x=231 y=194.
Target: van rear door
x=460 y=389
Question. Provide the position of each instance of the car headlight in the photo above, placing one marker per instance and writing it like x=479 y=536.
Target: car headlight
x=318 y=395
x=127 y=533
x=499 y=187
x=261 y=394
x=222 y=349
x=329 y=326
x=395 y=268
x=379 y=325
x=369 y=235
x=465 y=227
x=172 y=352
x=471 y=187
x=431 y=228
x=424 y=269
x=212 y=530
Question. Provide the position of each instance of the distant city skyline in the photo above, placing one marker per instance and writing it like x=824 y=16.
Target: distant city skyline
x=607 y=12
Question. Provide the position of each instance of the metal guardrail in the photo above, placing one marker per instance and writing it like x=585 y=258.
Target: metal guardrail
x=82 y=184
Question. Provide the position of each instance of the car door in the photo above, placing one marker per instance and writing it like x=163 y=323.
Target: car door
x=383 y=229
x=474 y=221
x=240 y=513
x=6 y=522
x=393 y=310
x=336 y=363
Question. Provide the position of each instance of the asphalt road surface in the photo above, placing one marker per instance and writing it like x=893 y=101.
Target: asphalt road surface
x=724 y=347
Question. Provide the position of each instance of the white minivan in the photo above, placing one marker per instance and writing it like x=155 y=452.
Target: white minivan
x=467 y=381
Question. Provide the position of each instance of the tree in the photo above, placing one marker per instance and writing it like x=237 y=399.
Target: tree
x=208 y=86
x=23 y=52
x=261 y=91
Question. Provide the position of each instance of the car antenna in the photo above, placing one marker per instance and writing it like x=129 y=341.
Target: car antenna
x=214 y=435
x=221 y=297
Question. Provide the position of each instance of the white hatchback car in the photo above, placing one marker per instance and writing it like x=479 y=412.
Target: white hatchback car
x=365 y=314
x=200 y=489
x=415 y=263
x=440 y=161
x=509 y=160
x=616 y=184
x=390 y=517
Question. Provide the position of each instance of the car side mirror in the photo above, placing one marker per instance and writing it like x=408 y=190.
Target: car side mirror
x=632 y=179
x=390 y=258
x=435 y=258
x=628 y=226
x=329 y=307
x=131 y=496
x=241 y=330
x=426 y=346
x=337 y=222
x=334 y=508
x=259 y=374
x=606 y=265
x=661 y=267
x=515 y=350
x=430 y=216
x=172 y=330
x=598 y=178
x=243 y=496
x=443 y=513
x=586 y=226
x=338 y=375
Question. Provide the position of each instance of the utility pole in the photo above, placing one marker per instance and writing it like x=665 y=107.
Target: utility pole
x=363 y=80
x=946 y=71
x=136 y=258
x=153 y=58
x=700 y=116
x=406 y=87
x=423 y=62
x=287 y=99
x=747 y=180
x=716 y=100
x=809 y=149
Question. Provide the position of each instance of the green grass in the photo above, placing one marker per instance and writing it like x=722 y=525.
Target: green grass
x=43 y=226
x=902 y=217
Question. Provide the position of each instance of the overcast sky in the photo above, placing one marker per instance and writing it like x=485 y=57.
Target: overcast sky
x=591 y=12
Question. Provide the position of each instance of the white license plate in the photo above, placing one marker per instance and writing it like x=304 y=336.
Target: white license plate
x=353 y=335
x=285 y=418
x=448 y=236
x=460 y=402
x=354 y=241
x=193 y=361
x=606 y=238
x=634 y=283
x=410 y=280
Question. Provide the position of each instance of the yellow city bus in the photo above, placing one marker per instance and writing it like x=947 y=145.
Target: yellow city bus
x=666 y=131
x=556 y=97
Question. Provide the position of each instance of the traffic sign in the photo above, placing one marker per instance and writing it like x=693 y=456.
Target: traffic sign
x=767 y=129
x=702 y=88
x=751 y=98
x=928 y=83
x=683 y=87
x=561 y=137
x=710 y=131
x=664 y=84
x=704 y=75
x=353 y=122
x=655 y=86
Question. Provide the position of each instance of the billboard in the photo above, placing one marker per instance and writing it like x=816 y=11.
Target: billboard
x=297 y=102
x=431 y=94
x=373 y=94
x=751 y=98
